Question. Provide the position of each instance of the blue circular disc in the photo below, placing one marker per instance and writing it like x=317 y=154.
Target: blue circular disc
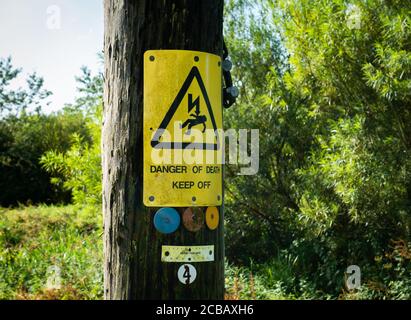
x=166 y=220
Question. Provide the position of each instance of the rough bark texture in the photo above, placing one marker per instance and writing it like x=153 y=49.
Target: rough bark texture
x=132 y=247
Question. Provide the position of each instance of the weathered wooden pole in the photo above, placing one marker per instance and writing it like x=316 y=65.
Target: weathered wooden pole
x=132 y=246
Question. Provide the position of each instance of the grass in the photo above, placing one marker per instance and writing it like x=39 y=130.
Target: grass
x=51 y=252
x=243 y=284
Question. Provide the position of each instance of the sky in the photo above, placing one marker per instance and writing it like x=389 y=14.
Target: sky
x=53 y=38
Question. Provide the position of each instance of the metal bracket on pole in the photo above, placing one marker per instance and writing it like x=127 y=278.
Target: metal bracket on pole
x=230 y=92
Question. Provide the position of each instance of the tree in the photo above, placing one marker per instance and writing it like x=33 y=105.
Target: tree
x=14 y=101
x=132 y=246
x=25 y=134
x=334 y=120
x=78 y=168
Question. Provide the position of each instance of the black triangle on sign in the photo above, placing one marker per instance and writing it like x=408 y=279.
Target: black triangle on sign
x=155 y=142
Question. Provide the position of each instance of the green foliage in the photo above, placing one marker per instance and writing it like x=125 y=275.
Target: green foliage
x=79 y=168
x=25 y=134
x=69 y=138
x=23 y=140
x=328 y=85
x=90 y=89
x=14 y=101
x=36 y=241
x=244 y=284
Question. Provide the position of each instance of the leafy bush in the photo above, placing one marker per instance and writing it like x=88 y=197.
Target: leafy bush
x=331 y=101
x=23 y=140
x=79 y=168
x=25 y=134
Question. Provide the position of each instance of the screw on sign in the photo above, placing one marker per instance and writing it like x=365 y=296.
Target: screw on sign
x=186 y=115
x=187 y=273
x=187 y=253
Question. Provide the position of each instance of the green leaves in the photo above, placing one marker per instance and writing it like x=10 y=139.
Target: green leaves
x=79 y=168
x=332 y=104
x=15 y=101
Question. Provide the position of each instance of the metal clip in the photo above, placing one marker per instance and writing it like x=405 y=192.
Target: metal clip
x=230 y=92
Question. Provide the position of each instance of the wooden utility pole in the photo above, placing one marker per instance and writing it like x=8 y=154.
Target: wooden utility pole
x=132 y=246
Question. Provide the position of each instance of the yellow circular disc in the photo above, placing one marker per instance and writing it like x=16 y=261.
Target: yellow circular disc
x=212 y=217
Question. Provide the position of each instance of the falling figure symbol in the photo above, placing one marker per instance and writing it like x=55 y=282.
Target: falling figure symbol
x=198 y=118
x=193 y=122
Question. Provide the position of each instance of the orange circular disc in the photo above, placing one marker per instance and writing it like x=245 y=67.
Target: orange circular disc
x=193 y=219
x=212 y=217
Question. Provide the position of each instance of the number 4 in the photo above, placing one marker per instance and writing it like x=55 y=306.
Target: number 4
x=187 y=274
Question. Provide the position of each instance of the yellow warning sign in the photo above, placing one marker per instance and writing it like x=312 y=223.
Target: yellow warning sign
x=182 y=129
